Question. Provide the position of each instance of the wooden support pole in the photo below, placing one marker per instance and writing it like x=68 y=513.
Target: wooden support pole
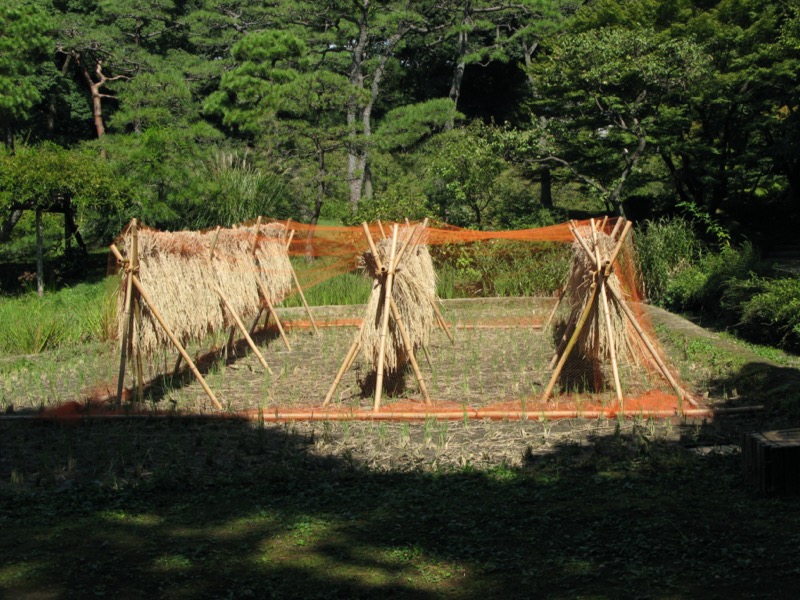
x=243 y=329
x=177 y=365
x=584 y=245
x=571 y=344
x=257 y=319
x=127 y=330
x=427 y=356
x=618 y=247
x=405 y=245
x=271 y=309
x=372 y=247
x=231 y=337
x=410 y=349
x=137 y=309
x=442 y=322
x=255 y=236
x=348 y=360
x=380 y=227
x=289 y=240
x=682 y=394
x=612 y=349
x=387 y=288
x=173 y=339
x=620 y=222
x=553 y=312
x=303 y=299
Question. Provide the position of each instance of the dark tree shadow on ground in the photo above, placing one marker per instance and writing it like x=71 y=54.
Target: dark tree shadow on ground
x=222 y=508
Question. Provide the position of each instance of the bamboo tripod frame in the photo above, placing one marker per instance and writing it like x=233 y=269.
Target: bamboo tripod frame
x=387 y=273
x=134 y=290
x=603 y=267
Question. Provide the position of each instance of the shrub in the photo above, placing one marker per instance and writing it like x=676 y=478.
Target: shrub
x=768 y=310
x=701 y=285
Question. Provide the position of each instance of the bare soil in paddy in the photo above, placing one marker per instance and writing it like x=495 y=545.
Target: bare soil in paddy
x=498 y=360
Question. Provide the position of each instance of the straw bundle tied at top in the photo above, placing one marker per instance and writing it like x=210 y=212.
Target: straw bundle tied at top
x=413 y=290
x=182 y=277
x=594 y=340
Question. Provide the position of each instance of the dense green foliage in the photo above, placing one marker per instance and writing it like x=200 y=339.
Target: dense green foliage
x=483 y=113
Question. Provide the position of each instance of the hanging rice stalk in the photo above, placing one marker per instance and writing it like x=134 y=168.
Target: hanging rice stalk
x=414 y=292
x=272 y=258
x=183 y=271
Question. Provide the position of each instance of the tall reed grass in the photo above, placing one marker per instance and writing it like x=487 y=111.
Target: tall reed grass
x=83 y=313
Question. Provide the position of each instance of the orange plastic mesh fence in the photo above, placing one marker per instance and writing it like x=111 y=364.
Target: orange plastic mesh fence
x=333 y=250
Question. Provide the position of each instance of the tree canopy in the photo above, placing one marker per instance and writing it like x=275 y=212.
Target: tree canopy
x=485 y=113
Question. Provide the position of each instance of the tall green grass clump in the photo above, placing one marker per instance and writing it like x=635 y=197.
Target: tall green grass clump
x=500 y=268
x=70 y=316
x=664 y=249
x=341 y=288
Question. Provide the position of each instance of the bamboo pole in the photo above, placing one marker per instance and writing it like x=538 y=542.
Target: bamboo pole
x=127 y=330
x=620 y=222
x=175 y=341
x=598 y=322
x=612 y=347
x=353 y=351
x=405 y=245
x=255 y=236
x=372 y=247
x=140 y=288
x=584 y=245
x=651 y=349
x=387 y=287
x=348 y=360
x=626 y=230
x=410 y=348
x=243 y=329
x=303 y=299
x=553 y=312
x=573 y=340
x=272 y=311
x=289 y=240
x=257 y=319
x=137 y=309
x=442 y=322
x=380 y=227
x=603 y=274
x=427 y=356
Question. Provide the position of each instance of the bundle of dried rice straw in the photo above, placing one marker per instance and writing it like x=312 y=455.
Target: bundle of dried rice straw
x=594 y=342
x=183 y=270
x=414 y=292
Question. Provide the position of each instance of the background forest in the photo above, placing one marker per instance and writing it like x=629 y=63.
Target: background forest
x=683 y=116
